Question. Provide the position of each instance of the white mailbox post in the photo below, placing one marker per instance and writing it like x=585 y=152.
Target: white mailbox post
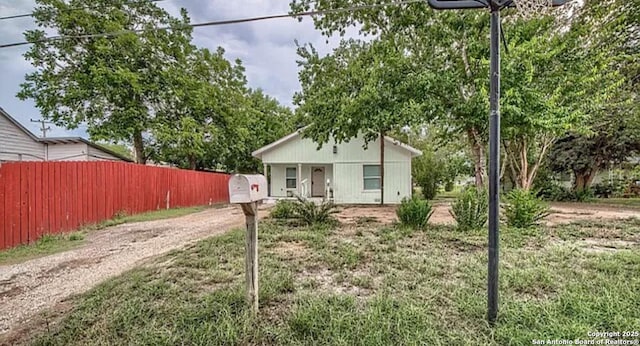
x=247 y=190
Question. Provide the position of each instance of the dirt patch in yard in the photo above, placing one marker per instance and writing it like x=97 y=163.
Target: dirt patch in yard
x=39 y=284
x=601 y=245
x=324 y=280
x=291 y=250
x=356 y=214
x=561 y=213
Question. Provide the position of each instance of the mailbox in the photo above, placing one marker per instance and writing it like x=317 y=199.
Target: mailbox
x=247 y=188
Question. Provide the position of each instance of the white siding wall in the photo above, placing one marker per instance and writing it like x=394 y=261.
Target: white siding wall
x=349 y=185
x=68 y=152
x=15 y=145
x=99 y=155
x=278 y=181
x=304 y=151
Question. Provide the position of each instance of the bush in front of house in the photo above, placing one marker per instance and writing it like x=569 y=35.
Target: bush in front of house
x=550 y=190
x=523 y=210
x=414 y=212
x=470 y=209
x=284 y=209
x=310 y=213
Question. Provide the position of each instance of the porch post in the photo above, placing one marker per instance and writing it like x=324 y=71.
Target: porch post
x=299 y=185
x=266 y=175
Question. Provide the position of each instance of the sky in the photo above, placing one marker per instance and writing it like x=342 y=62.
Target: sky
x=266 y=48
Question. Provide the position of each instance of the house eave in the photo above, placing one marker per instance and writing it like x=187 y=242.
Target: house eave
x=258 y=153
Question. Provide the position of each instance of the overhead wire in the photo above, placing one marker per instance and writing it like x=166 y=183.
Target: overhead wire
x=217 y=23
x=66 y=9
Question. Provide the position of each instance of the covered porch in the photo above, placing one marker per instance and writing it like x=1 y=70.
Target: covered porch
x=286 y=180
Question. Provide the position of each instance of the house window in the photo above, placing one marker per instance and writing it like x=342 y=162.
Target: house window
x=371 y=177
x=292 y=177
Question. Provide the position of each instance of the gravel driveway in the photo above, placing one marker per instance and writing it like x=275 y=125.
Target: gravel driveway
x=30 y=287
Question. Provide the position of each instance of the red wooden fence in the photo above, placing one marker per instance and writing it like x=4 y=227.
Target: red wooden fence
x=39 y=198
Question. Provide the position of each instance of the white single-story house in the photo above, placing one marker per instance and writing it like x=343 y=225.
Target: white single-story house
x=19 y=144
x=346 y=173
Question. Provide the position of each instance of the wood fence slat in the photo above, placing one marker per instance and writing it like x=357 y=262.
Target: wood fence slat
x=78 y=193
x=73 y=192
x=51 y=185
x=11 y=198
x=24 y=204
x=37 y=198
x=45 y=199
x=3 y=182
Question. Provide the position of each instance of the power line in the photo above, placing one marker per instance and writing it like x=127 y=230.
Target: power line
x=66 y=9
x=43 y=126
x=217 y=23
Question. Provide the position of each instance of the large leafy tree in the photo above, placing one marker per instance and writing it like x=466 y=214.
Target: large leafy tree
x=204 y=111
x=613 y=31
x=215 y=121
x=442 y=77
x=114 y=85
x=615 y=139
x=445 y=79
x=546 y=76
x=267 y=121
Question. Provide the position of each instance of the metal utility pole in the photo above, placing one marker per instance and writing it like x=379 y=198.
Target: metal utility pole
x=43 y=126
x=494 y=166
x=494 y=7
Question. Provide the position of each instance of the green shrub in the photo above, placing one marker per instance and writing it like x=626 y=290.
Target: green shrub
x=449 y=186
x=76 y=236
x=583 y=195
x=553 y=191
x=284 y=209
x=428 y=172
x=309 y=213
x=523 y=210
x=470 y=209
x=558 y=193
x=414 y=212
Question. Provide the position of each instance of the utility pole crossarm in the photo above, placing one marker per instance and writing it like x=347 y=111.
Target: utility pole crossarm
x=43 y=126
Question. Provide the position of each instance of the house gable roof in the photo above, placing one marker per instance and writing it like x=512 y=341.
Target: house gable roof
x=75 y=140
x=61 y=140
x=258 y=153
x=17 y=124
x=275 y=144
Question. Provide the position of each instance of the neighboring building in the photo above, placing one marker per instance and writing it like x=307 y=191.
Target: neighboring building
x=346 y=172
x=19 y=144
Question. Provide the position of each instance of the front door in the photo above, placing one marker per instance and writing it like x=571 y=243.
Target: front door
x=317 y=181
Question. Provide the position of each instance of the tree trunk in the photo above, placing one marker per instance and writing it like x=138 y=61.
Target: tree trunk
x=381 y=168
x=479 y=160
x=193 y=163
x=138 y=146
x=523 y=171
x=583 y=180
x=523 y=177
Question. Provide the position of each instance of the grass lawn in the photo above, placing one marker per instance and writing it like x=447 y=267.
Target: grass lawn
x=369 y=284
x=627 y=202
x=149 y=216
x=50 y=244
x=46 y=245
